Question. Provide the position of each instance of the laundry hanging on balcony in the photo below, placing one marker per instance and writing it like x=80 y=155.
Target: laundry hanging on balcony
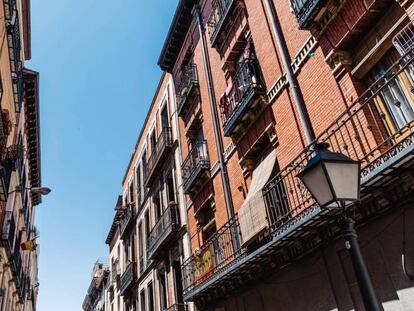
x=247 y=54
x=224 y=99
x=252 y=214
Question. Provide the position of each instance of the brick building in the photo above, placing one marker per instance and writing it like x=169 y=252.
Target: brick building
x=257 y=83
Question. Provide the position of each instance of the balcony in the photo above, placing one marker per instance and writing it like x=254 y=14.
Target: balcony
x=296 y=225
x=9 y=231
x=127 y=278
x=178 y=307
x=245 y=100
x=141 y=265
x=187 y=89
x=13 y=39
x=160 y=152
x=126 y=222
x=219 y=19
x=163 y=231
x=5 y=176
x=196 y=168
x=306 y=10
x=114 y=271
x=8 y=157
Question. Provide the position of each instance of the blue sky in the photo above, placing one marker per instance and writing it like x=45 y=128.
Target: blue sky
x=97 y=63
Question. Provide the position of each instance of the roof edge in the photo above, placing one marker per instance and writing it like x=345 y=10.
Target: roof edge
x=144 y=124
x=182 y=16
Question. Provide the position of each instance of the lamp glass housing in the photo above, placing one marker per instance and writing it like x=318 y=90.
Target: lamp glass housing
x=333 y=179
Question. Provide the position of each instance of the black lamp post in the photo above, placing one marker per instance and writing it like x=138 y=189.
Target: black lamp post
x=333 y=179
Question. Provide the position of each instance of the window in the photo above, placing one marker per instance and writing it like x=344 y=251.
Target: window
x=118 y=253
x=133 y=250
x=144 y=164
x=131 y=191
x=139 y=183
x=206 y=218
x=170 y=187
x=140 y=239
x=178 y=282
x=153 y=140
x=140 y=242
x=395 y=100
x=150 y=297
x=126 y=252
x=147 y=226
x=142 y=300
x=164 y=116
x=157 y=201
x=163 y=290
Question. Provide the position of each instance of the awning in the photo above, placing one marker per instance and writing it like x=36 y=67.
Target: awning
x=252 y=214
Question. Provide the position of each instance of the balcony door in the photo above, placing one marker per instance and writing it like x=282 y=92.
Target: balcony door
x=153 y=140
x=198 y=141
x=395 y=100
x=162 y=282
x=165 y=123
x=178 y=282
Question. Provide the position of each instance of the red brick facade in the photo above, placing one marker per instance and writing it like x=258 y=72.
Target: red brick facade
x=324 y=61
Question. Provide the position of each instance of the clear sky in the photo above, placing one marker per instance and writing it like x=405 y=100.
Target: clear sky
x=98 y=73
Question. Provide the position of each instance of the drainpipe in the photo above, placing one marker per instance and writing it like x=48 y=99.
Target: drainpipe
x=293 y=82
x=213 y=107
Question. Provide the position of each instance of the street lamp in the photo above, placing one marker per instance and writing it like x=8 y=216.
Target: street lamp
x=40 y=190
x=35 y=190
x=333 y=179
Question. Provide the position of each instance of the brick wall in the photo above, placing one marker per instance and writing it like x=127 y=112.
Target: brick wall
x=326 y=94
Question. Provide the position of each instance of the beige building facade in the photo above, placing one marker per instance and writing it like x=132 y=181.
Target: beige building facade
x=20 y=171
x=148 y=238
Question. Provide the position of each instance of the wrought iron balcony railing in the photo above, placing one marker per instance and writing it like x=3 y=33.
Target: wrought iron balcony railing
x=305 y=9
x=218 y=252
x=126 y=221
x=187 y=88
x=363 y=132
x=13 y=38
x=8 y=160
x=114 y=271
x=127 y=278
x=178 y=307
x=246 y=88
x=220 y=13
x=163 y=231
x=8 y=231
x=141 y=265
x=195 y=165
x=161 y=150
x=5 y=177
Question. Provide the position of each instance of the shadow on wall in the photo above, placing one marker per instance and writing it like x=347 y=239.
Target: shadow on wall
x=326 y=280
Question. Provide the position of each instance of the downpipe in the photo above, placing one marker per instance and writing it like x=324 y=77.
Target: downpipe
x=219 y=141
